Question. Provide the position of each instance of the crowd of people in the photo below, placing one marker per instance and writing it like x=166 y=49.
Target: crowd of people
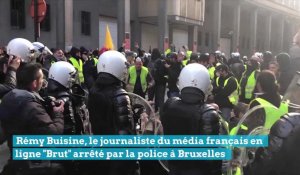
x=81 y=91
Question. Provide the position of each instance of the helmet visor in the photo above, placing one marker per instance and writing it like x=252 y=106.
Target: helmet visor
x=31 y=55
x=73 y=79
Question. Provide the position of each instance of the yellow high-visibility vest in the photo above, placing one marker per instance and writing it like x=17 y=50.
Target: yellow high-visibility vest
x=167 y=51
x=272 y=113
x=238 y=171
x=211 y=72
x=188 y=54
x=234 y=96
x=95 y=61
x=234 y=130
x=250 y=85
x=184 y=62
x=79 y=67
x=143 y=77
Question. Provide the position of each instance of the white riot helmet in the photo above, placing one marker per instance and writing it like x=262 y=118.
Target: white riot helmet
x=194 y=75
x=235 y=55
x=40 y=48
x=114 y=63
x=63 y=72
x=217 y=52
x=22 y=48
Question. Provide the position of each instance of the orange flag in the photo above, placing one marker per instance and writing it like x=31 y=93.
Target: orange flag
x=108 y=43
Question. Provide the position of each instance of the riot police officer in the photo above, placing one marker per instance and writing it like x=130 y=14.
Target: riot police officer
x=189 y=115
x=282 y=154
x=22 y=48
x=110 y=109
x=42 y=54
x=61 y=83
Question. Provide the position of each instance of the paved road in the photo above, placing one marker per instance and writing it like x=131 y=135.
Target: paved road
x=4 y=155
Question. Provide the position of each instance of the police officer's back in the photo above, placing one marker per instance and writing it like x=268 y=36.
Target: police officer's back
x=189 y=115
x=109 y=107
x=282 y=154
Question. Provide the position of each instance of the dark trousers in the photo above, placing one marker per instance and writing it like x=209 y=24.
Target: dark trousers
x=159 y=96
x=151 y=93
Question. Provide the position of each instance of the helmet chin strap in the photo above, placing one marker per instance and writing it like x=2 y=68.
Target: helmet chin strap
x=72 y=80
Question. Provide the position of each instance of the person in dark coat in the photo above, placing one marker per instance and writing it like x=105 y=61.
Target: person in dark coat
x=24 y=112
x=285 y=72
x=224 y=87
x=159 y=74
x=8 y=80
x=248 y=79
x=267 y=58
x=189 y=115
x=173 y=71
x=110 y=109
x=282 y=154
x=90 y=69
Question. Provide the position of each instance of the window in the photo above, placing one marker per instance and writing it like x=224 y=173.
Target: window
x=85 y=23
x=206 y=39
x=199 y=38
x=46 y=23
x=17 y=14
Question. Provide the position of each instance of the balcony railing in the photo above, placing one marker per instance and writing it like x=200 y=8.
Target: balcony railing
x=187 y=9
x=192 y=10
x=294 y=4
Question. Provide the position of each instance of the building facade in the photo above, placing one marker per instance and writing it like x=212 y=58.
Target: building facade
x=204 y=26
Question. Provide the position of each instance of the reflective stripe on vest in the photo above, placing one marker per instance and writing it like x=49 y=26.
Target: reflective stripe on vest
x=238 y=171
x=249 y=88
x=272 y=113
x=234 y=96
x=143 y=76
x=79 y=67
x=234 y=130
x=95 y=61
x=167 y=52
x=184 y=62
x=211 y=72
x=188 y=54
x=245 y=67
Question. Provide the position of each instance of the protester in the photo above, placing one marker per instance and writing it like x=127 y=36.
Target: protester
x=24 y=112
x=139 y=78
x=225 y=91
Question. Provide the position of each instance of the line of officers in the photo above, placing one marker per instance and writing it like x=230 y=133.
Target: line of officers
x=30 y=107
